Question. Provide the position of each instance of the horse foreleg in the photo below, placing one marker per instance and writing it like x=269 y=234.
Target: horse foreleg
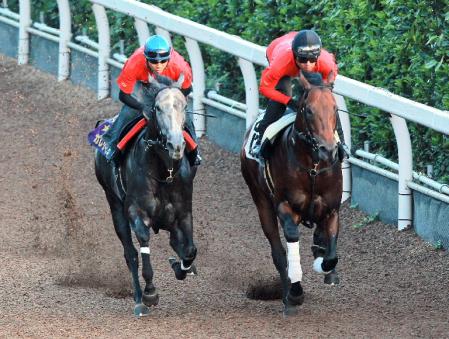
x=123 y=231
x=289 y=221
x=185 y=252
x=325 y=248
x=150 y=296
x=189 y=253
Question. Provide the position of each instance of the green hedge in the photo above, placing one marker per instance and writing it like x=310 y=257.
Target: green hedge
x=399 y=45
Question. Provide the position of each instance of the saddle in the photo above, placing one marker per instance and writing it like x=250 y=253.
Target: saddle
x=270 y=134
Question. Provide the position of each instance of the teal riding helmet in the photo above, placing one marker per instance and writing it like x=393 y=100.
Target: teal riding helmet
x=157 y=49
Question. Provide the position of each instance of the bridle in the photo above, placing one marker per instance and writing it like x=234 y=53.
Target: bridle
x=307 y=136
x=159 y=143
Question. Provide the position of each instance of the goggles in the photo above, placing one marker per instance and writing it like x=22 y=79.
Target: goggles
x=157 y=57
x=305 y=59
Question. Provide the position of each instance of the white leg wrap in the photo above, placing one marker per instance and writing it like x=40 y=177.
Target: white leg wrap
x=145 y=250
x=294 y=262
x=317 y=266
x=183 y=267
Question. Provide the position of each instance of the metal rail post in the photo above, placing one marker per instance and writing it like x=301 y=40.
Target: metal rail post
x=405 y=172
x=104 y=50
x=346 y=125
x=24 y=37
x=65 y=28
x=199 y=85
x=251 y=91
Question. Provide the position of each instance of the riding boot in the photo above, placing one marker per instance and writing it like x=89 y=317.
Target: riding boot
x=112 y=136
x=193 y=156
x=343 y=149
x=274 y=111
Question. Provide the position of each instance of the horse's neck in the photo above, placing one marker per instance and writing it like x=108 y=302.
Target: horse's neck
x=296 y=147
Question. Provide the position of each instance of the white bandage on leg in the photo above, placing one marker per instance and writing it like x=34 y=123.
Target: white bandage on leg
x=145 y=250
x=317 y=265
x=183 y=267
x=294 y=262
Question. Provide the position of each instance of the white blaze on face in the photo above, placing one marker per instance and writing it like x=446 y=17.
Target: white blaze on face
x=171 y=116
x=294 y=262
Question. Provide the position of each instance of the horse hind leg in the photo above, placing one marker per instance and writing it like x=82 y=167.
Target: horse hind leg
x=123 y=231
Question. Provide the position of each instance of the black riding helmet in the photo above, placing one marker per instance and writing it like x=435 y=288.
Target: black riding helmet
x=306 y=44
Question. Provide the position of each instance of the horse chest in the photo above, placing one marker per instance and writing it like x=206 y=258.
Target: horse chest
x=300 y=201
x=158 y=210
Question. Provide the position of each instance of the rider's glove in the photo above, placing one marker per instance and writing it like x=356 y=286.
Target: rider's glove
x=293 y=105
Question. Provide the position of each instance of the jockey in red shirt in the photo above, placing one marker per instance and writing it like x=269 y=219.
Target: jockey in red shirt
x=155 y=57
x=287 y=56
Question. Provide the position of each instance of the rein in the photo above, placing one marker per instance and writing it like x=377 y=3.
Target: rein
x=157 y=143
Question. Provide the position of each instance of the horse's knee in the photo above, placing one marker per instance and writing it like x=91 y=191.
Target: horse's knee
x=291 y=233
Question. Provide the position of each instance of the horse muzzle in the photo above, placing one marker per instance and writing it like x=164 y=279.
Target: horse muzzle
x=327 y=152
x=176 y=149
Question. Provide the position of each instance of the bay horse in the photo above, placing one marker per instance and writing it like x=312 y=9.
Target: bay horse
x=300 y=182
x=158 y=185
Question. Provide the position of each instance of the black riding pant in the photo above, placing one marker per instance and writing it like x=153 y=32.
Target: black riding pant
x=125 y=117
x=275 y=109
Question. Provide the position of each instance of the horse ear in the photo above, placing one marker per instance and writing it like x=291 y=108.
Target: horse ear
x=303 y=81
x=331 y=77
x=180 y=81
x=154 y=81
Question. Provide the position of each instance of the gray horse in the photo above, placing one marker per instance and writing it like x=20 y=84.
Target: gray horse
x=157 y=184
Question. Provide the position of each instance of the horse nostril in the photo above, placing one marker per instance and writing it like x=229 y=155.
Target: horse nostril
x=169 y=145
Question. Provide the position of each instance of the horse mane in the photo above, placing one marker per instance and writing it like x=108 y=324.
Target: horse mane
x=164 y=80
x=315 y=79
x=152 y=89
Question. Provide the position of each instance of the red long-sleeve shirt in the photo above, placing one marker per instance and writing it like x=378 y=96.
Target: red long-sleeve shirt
x=282 y=63
x=135 y=69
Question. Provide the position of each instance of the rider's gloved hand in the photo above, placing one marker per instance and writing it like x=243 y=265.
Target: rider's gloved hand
x=293 y=105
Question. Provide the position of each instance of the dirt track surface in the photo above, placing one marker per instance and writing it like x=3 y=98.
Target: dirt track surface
x=62 y=271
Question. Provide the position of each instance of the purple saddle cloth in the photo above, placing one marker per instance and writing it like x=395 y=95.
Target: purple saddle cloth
x=94 y=138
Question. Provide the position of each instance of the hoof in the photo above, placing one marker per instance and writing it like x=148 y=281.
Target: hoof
x=150 y=299
x=192 y=270
x=332 y=278
x=289 y=310
x=140 y=310
x=176 y=266
x=295 y=300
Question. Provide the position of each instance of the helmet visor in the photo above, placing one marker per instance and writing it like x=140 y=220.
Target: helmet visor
x=156 y=57
x=308 y=51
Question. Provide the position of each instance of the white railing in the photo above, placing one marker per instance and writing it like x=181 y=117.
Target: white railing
x=247 y=54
